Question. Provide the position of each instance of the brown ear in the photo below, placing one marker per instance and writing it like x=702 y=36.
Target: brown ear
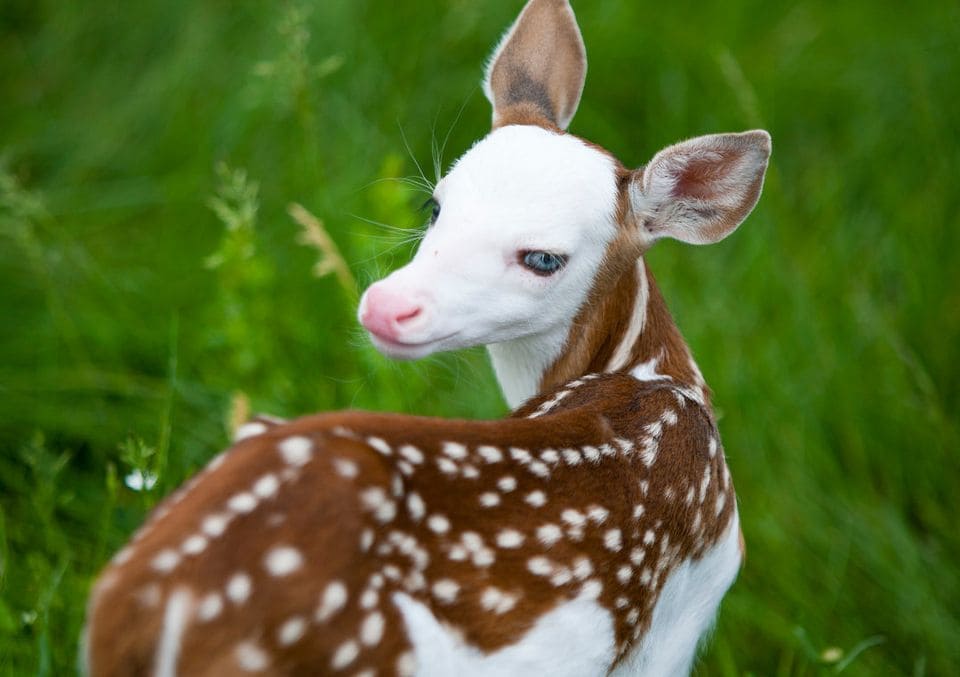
x=699 y=191
x=538 y=69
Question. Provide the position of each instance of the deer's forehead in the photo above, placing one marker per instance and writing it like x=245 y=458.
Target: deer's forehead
x=528 y=175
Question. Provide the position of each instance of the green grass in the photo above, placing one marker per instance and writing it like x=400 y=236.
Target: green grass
x=152 y=279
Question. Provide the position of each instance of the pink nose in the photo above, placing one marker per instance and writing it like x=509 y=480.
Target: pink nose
x=387 y=314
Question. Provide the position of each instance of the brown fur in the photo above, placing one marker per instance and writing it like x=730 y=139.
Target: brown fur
x=324 y=519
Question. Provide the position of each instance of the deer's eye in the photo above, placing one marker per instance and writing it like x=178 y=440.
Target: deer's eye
x=542 y=263
x=434 y=206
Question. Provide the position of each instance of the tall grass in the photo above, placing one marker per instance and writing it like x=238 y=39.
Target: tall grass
x=192 y=194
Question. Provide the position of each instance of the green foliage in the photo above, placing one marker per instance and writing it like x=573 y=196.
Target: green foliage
x=192 y=193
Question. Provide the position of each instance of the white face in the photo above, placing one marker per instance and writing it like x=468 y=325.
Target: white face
x=520 y=191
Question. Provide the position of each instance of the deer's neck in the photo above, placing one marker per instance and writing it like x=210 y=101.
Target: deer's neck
x=625 y=326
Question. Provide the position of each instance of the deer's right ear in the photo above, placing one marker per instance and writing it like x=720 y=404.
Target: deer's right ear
x=538 y=69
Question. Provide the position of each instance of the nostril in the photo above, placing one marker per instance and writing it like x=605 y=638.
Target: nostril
x=408 y=315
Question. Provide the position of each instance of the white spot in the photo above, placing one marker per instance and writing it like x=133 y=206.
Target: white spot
x=238 y=588
x=669 y=417
x=621 y=602
x=165 y=561
x=549 y=456
x=210 y=607
x=572 y=456
x=573 y=517
x=291 y=631
x=266 y=486
x=483 y=557
x=458 y=553
x=296 y=450
x=369 y=599
x=251 y=657
x=438 y=524
x=592 y=589
x=405 y=468
x=520 y=455
x=540 y=566
x=489 y=499
x=411 y=453
x=366 y=539
x=506 y=484
x=637 y=555
x=624 y=574
x=561 y=576
x=470 y=472
x=712 y=447
x=455 y=450
x=644 y=487
x=446 y=590
x=415 y=506
x=446 y=466
x=645 y=576
x=706 y=483
x=214 y=525
x=612 y=540
x=721 y=500
x=332 y=600
x=490 y=454
x=194 y=545
x=372 y=629
x=345 y=655
x=536 y=498
x=539 y=468
x=597 y=514
x=496 y=600
x=243 y=502
x=346 y=468
x=510 y=538
x=582 y=568
x=283 y=560
x=592 y=454
x=380 y=446
x=249 y=430
x=633 y=616
x=375 y=499
x=649 y=537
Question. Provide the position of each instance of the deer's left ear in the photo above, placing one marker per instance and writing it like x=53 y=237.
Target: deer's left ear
x=700 y=190
x=538 y=69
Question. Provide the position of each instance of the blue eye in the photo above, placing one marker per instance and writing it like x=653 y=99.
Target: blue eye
x=543 y=263
x=434 y=206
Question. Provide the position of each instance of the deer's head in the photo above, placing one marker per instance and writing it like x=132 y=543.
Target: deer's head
x=530 y=220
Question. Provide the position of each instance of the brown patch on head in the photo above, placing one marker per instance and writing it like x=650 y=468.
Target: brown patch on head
x=538 y=71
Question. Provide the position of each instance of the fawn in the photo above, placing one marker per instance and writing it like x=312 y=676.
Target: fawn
x=594 y=531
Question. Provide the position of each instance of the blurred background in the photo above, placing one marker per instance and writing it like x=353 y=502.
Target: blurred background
x=193 y=193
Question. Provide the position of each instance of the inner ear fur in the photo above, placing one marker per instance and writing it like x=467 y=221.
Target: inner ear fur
x=536 y=73
x=698 y=191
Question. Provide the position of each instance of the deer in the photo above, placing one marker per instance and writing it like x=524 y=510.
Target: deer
x=592 y=531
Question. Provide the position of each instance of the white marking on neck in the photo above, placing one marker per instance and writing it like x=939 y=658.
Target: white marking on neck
x=520 y=364
x=174 y=624
x=638 y=321
x=647 y=371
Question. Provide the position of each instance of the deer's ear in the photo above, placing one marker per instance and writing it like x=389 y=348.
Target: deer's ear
x=700 y=190
x=538 y=69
